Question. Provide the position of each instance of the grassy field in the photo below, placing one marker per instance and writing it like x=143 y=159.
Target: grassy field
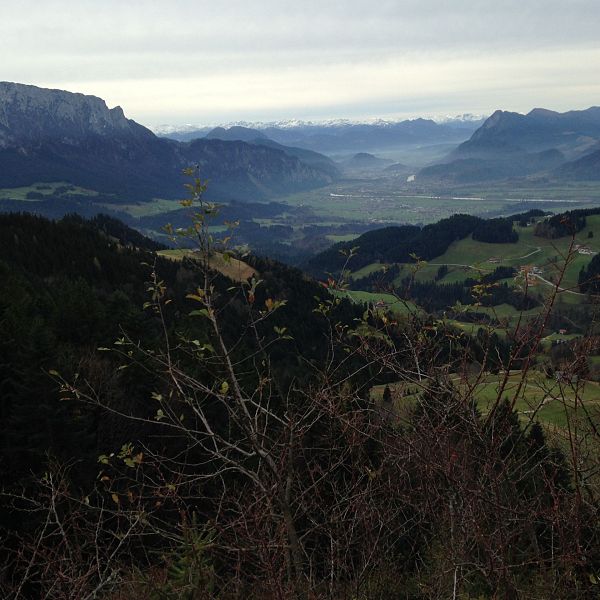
x=540 y=398
x=558 y=337
x=472 y=252
x=347 y=237
x=507 y=313
x=468 y=254
x=380 y=300
x=374 y=202
x=529 y=250
x=565 y=192
x=473 y=328
x=551 y=402
x=368 y=270
x=390 y=200
x=235 y=269
x=46 y=189
x=153 y=207
x=468 y=258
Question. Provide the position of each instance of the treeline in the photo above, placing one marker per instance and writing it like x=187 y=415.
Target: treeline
x=441 y=296
x=401 y=244
x=435 y=296
x=563 y=224
x=526 y=218
x=124 y=234
x=589 y=277
x=496 y=231
x=501 y=272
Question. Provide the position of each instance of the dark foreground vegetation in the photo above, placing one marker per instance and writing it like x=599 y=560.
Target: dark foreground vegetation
x=169 y=433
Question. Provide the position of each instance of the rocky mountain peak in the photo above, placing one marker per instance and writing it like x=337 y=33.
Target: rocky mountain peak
x=52 y=135
x=32 y=114
x=236 y=133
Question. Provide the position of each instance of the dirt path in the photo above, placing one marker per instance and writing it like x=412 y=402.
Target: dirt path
x=538 y=249
x=560 y=289
x=456 y=265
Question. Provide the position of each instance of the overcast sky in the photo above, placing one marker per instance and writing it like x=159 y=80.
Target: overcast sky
x=198 y=61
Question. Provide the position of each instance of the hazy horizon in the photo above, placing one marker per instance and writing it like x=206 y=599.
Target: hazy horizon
x=197 y=63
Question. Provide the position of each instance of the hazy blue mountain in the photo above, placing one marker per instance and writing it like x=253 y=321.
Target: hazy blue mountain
x=585 y=168
x=511 y=144
x=398 y=168
x=254 y=136
x=337 y=137
x=364 y=160
x=470 y=170
x=571 y=132
x=308 y=157
x=52 y=135
x=243 y=171
x=235 y=133
x=183 y=133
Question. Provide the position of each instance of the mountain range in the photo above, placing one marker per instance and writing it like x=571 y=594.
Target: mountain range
x=338 y=137
x=57 y=136
x=53 y=135
x=366 y=161
x=509 y=144
x=254 y=136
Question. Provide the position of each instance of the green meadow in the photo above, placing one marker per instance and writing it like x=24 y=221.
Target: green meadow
x=535 y=397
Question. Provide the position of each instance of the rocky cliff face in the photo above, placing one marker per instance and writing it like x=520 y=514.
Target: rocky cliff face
x=52 y=135
x=30 y=115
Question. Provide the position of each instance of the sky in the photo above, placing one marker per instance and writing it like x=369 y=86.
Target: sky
x=218 y=61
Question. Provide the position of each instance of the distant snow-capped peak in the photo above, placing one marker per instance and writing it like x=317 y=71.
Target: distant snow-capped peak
x=465 y=118
x=297 y=123
x=168 y=129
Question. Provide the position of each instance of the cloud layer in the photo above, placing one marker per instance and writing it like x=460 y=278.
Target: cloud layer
x=198 y=61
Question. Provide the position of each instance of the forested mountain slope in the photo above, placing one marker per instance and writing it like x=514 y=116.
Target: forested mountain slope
x=404 y=243
x=52 y=135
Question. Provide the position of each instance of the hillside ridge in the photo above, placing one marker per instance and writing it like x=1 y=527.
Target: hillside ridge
x=54 y=135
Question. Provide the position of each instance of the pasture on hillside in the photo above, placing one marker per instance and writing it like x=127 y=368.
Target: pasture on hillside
x=236 y=270
x=471 y=259
x=378 y=300
x=552 y=402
